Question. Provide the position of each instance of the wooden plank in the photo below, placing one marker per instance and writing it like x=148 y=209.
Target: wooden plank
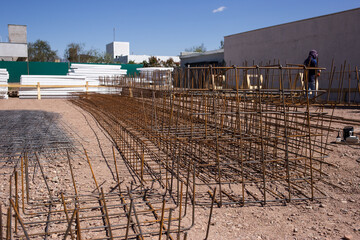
x=38 y=91
x=55 y=86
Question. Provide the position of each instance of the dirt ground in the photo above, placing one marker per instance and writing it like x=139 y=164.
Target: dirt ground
x=335 y=217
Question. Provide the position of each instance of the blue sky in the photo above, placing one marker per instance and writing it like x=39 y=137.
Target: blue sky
x=157 y=27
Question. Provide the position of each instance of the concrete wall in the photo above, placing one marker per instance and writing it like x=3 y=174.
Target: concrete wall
x=17 y=33
x=12 y=51
x=335 y=36
x=110 y=49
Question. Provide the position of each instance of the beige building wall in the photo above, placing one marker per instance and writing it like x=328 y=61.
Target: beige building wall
x=17 y=33
x=335 y=36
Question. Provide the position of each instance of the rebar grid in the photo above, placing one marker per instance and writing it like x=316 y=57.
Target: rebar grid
x=40 y=204
x=24 y=131
x=124 y=212
x=338 y=85
x=217 y=142
x=342 y=84
x=256 y=144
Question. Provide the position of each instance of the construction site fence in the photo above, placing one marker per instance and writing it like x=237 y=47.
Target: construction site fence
x=16 y=69
x=334 y=86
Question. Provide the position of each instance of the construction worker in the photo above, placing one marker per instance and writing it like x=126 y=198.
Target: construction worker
x=311 y=61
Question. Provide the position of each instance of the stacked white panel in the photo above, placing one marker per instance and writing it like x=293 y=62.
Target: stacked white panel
x=93 y=72
x=4 y=77
x=51 y=80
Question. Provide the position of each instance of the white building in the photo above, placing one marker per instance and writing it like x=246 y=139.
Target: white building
x=120 y=51
x=16 y=49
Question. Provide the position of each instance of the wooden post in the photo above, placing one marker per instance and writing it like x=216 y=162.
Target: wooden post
x=38 y=91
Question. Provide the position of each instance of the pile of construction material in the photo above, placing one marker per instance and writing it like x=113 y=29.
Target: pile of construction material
x=4 y=77
x=80 y=78
x=94 y=72
x=51 y=86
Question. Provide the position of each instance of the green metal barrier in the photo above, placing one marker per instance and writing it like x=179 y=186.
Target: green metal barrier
x=16 y=69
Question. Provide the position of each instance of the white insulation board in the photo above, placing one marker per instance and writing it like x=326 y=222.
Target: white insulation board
x=4 y=78
x=78 y=74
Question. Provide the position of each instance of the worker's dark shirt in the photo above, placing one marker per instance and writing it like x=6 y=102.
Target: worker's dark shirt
x=311 y=62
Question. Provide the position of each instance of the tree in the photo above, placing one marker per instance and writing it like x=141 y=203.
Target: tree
x=200 y=48
x=73 y=51
x=171 y=63
x=145 y=63
x=107 y=58
x=131 y=62
x=91 y=56
x=222 y=44
x=40 y=51
x=154 y=62
x=97 y=57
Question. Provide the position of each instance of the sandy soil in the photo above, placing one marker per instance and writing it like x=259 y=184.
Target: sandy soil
x=335 y=217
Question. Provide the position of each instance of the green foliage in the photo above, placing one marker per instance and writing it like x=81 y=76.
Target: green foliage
x=200 y=48
x=170 y=63
x=40 y=51
x=131 y=62
x=145 y=63
x=75 y=52
x=154 y=62
x=222 y=44
x=107 y=58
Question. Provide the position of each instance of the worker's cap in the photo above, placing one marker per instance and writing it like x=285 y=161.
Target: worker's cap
x=313 y=53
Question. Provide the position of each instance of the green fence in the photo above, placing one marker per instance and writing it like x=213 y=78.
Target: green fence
x=16 y=69
x=131 y=68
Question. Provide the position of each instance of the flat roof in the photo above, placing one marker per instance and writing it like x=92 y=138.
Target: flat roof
x=17 y=25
